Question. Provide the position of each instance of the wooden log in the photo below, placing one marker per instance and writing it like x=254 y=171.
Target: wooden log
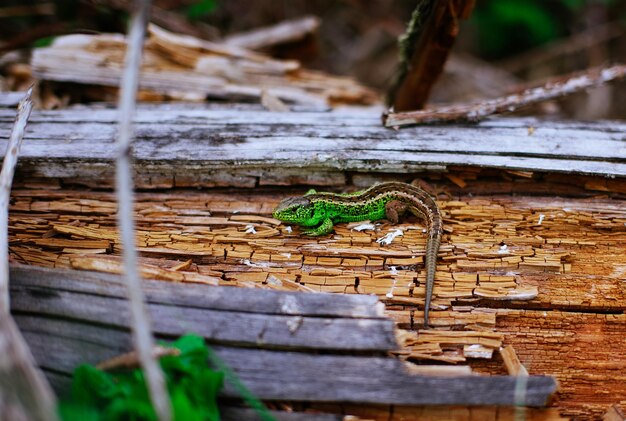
x=77 y=144
x=187 y=68
x=569 y=250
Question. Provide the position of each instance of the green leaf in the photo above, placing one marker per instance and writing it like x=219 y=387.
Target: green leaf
x=193 y=355
x=72 y=411
x=129 y=409
x=92 y=387
x=204 y=392
x=190 y=346
x=122 y=395
x=183 y=408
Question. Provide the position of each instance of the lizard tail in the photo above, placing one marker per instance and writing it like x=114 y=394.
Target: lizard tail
x=432 y=248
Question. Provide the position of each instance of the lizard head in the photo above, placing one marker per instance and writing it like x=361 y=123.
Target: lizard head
x=298 y=210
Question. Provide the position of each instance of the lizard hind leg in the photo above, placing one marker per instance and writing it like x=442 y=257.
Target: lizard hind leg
x=394 y=209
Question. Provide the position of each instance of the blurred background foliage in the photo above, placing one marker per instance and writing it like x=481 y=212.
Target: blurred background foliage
x=358 y=37
x=508 y=27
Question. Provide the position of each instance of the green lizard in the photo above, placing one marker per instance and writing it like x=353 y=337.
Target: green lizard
x=320 y=211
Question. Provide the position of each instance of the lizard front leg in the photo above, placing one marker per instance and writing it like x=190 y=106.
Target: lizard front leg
x=394 y=209
x=324 y=228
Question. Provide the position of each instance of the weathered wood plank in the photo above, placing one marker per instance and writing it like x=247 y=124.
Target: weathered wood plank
x=243 y=300
x=10 y=99
x=76 y=142
x=289 y=330
x=60 y=345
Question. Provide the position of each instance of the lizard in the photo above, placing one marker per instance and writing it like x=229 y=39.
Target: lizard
x=320 y=211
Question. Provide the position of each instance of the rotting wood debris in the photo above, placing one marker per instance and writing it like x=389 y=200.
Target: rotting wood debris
x=537 y=274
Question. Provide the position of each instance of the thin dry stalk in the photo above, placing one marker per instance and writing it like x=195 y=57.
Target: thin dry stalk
x=141 y=326
x=6 y=179
x=27 y=387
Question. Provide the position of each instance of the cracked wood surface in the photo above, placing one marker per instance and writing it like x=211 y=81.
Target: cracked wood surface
x=538 y=273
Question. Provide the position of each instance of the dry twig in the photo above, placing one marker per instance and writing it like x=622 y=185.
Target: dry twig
x=142 y=335
x=281 y=33
x=22 y=386
x=130 y=360
x=479 y=110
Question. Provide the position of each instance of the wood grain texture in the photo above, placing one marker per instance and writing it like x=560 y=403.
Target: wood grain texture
x=236 y=325
x=203 y=297
x=253 y=142
x=583 y=350
x=60 y=345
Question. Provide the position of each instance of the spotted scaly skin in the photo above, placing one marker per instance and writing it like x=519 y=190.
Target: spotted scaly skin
x=320 y=211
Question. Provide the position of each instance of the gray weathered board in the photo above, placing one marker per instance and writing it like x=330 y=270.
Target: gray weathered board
x=241 y=317
x=244 y=145
x=69 y=318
